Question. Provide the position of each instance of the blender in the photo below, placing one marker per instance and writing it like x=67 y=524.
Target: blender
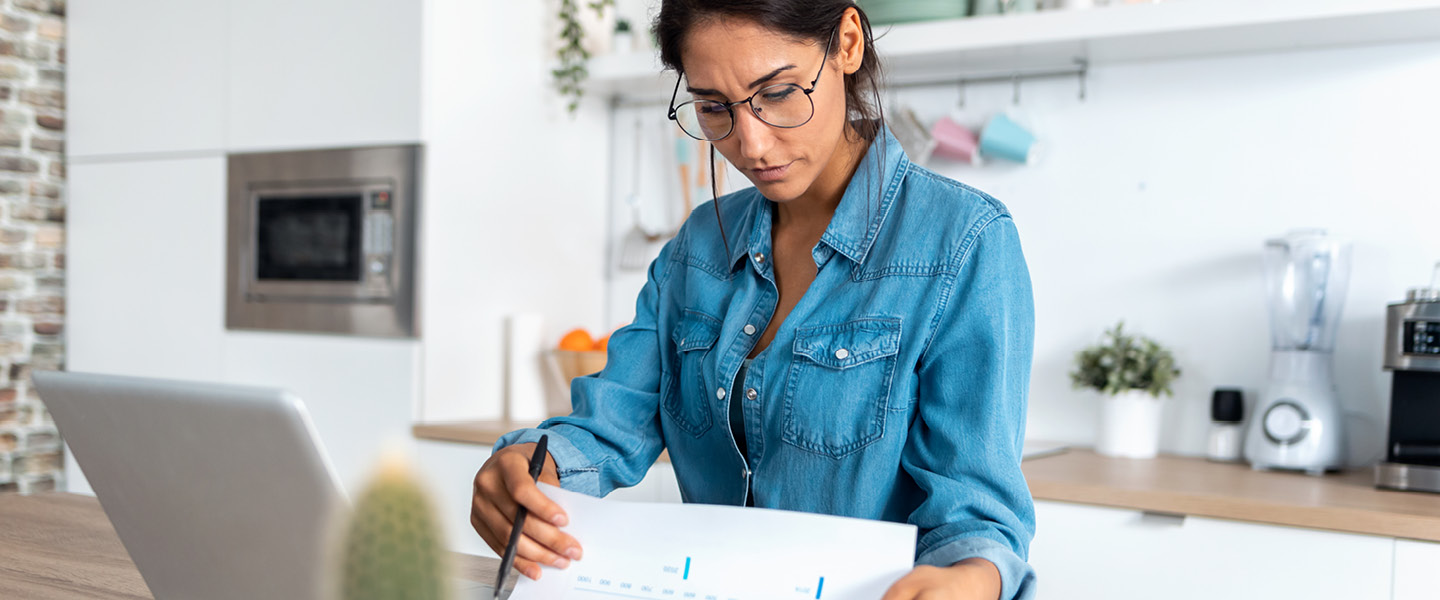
x=1299 y=424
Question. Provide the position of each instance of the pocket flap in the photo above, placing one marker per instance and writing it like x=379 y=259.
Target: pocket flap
x=696 y=331
x=849 y=344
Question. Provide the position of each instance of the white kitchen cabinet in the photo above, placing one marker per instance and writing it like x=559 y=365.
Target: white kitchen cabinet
x=145 y=286
x=145 y=76
x=154 y=76
x=323 y=73
x=1417 y=570
x=1084 y=552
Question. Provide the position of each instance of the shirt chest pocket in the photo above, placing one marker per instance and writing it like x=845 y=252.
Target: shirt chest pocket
x=838 y=388
x=687 y=400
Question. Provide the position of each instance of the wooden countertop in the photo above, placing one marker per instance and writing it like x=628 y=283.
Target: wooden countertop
x=61 y=546
x=55 y=545
x=1173 y=484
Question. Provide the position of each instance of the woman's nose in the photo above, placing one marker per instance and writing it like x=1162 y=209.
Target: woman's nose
x=752 y=133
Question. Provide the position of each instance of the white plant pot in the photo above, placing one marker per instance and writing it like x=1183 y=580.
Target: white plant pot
x=1129 y=425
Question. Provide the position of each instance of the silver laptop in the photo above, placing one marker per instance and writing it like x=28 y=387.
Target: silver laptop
x=217 y=491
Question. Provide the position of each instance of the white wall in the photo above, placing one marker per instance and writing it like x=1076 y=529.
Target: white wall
x=1156 y=197
x=516 y=211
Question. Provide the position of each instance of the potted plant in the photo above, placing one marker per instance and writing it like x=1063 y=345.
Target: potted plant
x=624 y=40
x=573 y=54
x=1132 y=373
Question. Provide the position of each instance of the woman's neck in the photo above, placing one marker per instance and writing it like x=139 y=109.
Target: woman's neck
x=813 y=210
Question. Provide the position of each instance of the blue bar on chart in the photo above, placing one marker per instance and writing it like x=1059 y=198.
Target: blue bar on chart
x=687 y=569
x=819 y=588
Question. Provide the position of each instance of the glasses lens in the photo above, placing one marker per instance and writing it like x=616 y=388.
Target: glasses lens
x=704 y=119
x=785 y=105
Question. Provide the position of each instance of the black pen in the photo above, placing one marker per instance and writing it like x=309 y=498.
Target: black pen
x=537 y=462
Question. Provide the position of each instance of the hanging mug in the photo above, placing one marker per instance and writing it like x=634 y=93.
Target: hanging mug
x=1006 y=139
x=955 y=141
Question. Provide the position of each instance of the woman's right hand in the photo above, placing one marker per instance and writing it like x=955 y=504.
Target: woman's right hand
x=503 y=484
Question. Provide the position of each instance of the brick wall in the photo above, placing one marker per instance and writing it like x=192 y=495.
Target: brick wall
x=32 y=236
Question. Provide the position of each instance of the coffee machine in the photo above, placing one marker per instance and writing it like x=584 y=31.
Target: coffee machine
x=1412 y=355
x=1296 y=424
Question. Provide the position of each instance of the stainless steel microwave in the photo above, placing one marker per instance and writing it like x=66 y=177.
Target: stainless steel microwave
x=323 y=241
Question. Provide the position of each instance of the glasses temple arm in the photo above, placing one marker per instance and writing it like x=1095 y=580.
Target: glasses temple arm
x=675 y=94
x=823 y=59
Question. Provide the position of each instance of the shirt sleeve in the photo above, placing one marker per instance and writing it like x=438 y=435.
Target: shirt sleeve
x=612 y=436
x=965 y=443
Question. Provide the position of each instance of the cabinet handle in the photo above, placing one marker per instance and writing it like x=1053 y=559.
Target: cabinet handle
x=1161 y=519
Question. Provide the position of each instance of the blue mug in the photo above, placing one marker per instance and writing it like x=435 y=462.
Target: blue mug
x=1003 y=138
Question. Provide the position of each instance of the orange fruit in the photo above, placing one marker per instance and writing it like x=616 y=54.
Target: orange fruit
x=578 y=340
x=603 y=343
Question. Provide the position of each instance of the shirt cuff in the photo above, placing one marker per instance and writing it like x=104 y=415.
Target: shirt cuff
x=577 y=473
x=1017 y=577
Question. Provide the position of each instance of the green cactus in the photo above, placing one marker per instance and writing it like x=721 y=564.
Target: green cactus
x=392 y=545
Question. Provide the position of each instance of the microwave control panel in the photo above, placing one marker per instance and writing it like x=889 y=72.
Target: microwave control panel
x=1421 y=338
x=379 y=236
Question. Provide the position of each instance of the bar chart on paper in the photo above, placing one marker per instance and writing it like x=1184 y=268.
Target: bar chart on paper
x=704 y=552
x=674 y=581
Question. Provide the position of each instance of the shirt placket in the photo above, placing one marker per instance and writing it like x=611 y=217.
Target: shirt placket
x=763 y=298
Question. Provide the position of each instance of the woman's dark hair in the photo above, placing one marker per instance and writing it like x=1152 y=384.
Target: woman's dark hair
x=806 y=20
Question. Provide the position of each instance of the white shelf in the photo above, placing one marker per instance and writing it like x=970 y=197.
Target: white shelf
x=951 y=49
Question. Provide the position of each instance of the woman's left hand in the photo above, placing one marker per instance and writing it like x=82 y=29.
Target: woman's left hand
x=969 y=579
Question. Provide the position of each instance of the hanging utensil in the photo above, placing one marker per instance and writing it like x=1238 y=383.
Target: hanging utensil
x=636 y=250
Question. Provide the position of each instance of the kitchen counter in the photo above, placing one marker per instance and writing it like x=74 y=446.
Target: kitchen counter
x=1178 y=485
x=61 y=546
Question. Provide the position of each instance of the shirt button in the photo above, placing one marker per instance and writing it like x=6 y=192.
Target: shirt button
x=759 y=257
x=749 y=330
x=720 y=393
x=752 y=394
x=842 y=354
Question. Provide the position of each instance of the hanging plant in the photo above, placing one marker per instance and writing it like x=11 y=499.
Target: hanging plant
x=572 y=54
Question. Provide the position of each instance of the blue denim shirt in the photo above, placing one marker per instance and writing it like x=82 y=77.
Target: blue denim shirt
x=896 y=389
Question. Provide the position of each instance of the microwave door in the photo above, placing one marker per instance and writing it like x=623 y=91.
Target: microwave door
x=310 y=248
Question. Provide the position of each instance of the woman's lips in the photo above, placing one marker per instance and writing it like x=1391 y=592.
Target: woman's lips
x=771 y=174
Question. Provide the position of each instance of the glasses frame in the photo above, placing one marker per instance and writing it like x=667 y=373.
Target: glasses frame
x=730 y=106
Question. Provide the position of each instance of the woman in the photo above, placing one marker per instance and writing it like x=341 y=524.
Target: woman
x=850 y=336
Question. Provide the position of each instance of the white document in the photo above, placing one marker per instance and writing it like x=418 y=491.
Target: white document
x=706 y=552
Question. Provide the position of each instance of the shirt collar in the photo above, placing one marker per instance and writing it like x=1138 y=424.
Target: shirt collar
x=853 y=229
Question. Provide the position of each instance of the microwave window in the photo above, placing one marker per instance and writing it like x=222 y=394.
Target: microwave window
x=309 y=238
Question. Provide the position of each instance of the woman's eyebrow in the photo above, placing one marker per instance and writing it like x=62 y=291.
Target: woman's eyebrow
x=753 y=84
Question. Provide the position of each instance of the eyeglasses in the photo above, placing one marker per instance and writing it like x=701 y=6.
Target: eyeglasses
x=785 y=105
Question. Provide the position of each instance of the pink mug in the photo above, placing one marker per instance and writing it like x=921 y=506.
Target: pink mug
x=956 y=142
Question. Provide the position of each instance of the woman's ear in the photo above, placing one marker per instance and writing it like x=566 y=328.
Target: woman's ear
x=852 y=42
